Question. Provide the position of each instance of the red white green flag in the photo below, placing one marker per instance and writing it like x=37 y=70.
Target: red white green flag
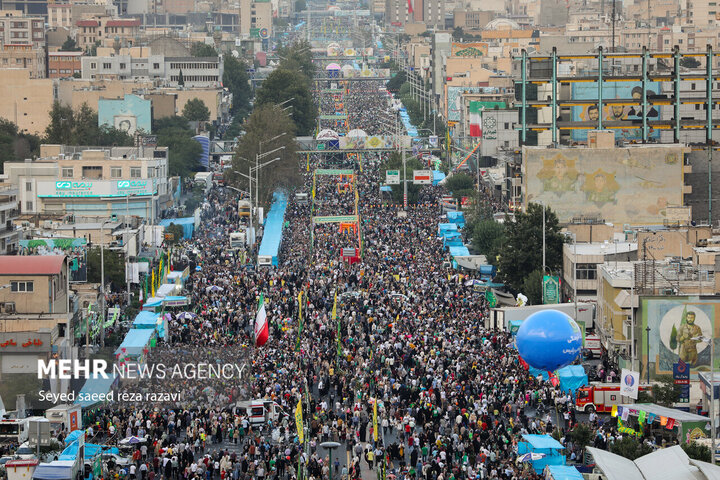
x=262 y=330
x=475 y=127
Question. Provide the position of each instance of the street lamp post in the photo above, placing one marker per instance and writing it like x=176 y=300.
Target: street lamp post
x=102 y=294
x=330 y=446
x=647 y=344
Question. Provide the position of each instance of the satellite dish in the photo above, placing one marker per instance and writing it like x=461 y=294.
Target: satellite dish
x=235 y=54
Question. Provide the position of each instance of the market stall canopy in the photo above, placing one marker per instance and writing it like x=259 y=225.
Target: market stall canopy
x=666 y=463
x=472 y=262
x=333 y=66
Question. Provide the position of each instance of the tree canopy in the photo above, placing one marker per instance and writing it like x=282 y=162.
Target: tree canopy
x=195 y=110
x=236 y=80
x=80 y=127
x=265 y=123
x=114 y=266
x=297 y=56
x=176 y=134
x=293 y=87
x=16 y=145
x=522 y=252
x=69 y=45
x=394 y=162
x=460 y=185
x=200 y=49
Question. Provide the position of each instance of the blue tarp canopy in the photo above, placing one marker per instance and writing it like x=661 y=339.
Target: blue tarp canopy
x=273 y=229
x=458 y=218
x=571 y=377
x=92 y=449
x=57 y=470
x=438 y=177
x=187 y=223
x=443 y=228
x=386 y=188
x=135 y=340
x=95 y=386
x=564 y=472
x=72 y=436
x=542 y=444
x=459 y=251
x=145 y=320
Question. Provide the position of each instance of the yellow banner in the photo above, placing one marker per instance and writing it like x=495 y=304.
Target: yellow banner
x=299 y=422
x=375 y=423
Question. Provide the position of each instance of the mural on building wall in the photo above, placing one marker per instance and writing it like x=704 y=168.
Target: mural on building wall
x=622 y=185
x=475 y=49
x=680 y=329
x=632 y=114
x=74 y=248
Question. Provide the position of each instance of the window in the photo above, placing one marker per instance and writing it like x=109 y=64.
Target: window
x=115 y=172
x=28 y=206
x=21 y=286
x=93 y=65
x=122 y=66
x=135 y=172
x=586 y=271
x=156 y=66
x=67 y=172
x=107 y=66
x=28 y=186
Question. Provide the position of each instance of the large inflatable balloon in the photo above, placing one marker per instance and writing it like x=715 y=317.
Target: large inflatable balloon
x=548 y=340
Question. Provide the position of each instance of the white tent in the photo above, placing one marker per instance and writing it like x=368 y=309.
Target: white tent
x=327 y=134
x=357 y=133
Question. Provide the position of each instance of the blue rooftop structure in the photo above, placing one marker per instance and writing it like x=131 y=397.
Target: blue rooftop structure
x=95 y=386
x=564 y=472
x=135 y=340
x=545 y=444
x=204 y=158
x=273 y=228
x=145 y=320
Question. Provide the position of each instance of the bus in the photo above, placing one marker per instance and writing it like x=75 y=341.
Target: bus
x=244 y=207
x=238 y=239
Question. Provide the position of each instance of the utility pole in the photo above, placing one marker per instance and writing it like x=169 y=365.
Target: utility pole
x=405 y=195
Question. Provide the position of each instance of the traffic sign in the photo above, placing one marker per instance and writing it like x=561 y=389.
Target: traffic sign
x=392 y=177
x=422 y=177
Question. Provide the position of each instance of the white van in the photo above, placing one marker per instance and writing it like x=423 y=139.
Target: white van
x=260 y=412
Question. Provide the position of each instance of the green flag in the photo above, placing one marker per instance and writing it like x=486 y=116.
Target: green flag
x=491 y=298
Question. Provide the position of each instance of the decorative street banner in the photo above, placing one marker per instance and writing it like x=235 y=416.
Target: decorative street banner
x=551 y=289
x=374 y=142
x=299 y=422
x=681 y=376
x=336 y=219
x=331 y=171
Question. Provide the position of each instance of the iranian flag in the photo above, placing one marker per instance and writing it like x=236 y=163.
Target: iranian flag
x=475 y=128
x=410 y=7
x=262 y=332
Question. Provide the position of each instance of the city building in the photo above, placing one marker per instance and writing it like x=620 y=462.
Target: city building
x=255 y=19
x=26 y=101
x=24 y=56
x=107 y=31
x=171 y=71
x=36 y=312
x=93 y=182
x=16 y=28
x=9 y=235
x=64 y=64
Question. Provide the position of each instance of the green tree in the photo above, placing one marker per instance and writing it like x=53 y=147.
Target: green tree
x=16 y=145
x=297 y=56
x=394 y=162
x=68 y=127
x=664 y=392
x=460 y=185
x=60 y=128
x=195 y=110
x=532 y=287
x=488 y=237
x=630 y=448
x=697 y=451
x=283 y=85
x=69 y=45
x=396 y=82
x=266 y=122
x=200 y=49
x=581 y=435
x=184 y=152
x=181 y=79
x=114 y=266
x=176 y=231
x=522 y=253
x=236 y=80
x=673 y=339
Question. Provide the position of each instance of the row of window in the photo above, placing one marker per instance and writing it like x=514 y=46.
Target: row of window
x=64 y=70
x=191 y=66
x=108 y=66
x=22 y=287
x=195 y=78
x=115 y=172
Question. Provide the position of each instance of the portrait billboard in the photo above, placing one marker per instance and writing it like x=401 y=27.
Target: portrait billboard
x=631 y=114
x=632 y=185
x=681 y=328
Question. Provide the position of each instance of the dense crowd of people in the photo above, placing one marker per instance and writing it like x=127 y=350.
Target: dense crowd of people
x=398 y=328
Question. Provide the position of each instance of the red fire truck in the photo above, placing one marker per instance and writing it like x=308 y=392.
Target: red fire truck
x=600 y=397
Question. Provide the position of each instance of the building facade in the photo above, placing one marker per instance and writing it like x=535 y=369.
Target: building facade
x=9 y=235
x=64 y=64
x=196 y=71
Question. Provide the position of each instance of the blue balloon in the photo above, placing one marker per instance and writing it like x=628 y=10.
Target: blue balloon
x=548 y=340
